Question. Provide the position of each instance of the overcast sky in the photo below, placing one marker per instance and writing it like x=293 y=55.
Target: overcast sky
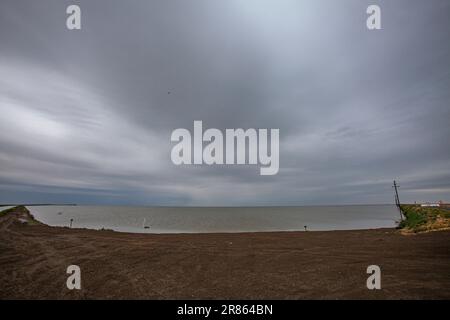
x=86 y=116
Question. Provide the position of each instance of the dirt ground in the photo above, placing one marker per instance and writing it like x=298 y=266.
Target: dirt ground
x=279 y=265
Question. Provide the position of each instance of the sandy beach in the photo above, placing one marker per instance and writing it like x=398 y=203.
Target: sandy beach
x=278 y=265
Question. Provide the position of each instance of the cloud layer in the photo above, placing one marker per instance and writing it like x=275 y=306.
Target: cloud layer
x=87 y=115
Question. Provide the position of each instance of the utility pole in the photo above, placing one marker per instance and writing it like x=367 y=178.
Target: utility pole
x=397 y=200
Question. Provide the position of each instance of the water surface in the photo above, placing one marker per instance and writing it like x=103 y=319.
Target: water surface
x=209 y=219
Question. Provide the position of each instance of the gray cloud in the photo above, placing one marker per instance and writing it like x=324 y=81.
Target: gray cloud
x=87 y=115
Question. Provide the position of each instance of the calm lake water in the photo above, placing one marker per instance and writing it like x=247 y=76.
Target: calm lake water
x=202 y=219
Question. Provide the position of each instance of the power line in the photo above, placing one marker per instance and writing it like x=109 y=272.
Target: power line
x=397 y=199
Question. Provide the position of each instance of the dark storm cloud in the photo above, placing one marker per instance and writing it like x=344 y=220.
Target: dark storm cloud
x=87 y=115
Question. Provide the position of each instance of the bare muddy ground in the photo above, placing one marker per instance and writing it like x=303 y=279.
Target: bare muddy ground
x=279 y=265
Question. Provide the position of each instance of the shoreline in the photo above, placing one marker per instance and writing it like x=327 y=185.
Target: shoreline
x=205 y=233
x=190 y=220
x=266 y=265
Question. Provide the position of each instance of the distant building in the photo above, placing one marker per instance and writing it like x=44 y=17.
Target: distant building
x=430 y=204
